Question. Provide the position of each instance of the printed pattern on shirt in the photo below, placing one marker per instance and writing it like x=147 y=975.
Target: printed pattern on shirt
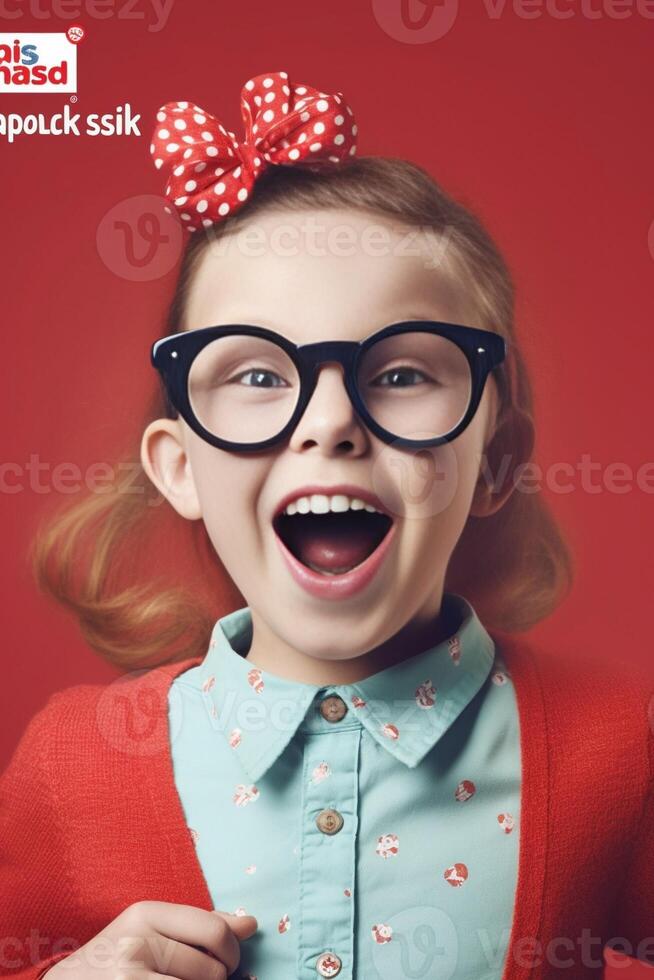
x=427 y=792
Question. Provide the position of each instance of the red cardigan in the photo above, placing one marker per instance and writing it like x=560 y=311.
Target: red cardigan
x=90 y=819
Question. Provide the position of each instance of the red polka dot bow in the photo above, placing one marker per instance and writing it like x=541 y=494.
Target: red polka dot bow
x=211 y=175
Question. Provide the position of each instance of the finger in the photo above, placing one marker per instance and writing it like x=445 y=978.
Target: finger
x=243 y=926
x=160 y=976
x=194 y=927
x=175 y=959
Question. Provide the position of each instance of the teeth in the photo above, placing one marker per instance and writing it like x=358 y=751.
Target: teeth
x=320 y=503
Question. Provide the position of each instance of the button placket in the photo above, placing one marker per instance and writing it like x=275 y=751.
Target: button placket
x=328 y=855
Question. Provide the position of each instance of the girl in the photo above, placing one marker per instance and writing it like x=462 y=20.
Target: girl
x=365 y=771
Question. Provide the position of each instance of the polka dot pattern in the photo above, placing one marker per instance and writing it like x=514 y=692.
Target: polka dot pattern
x=281 y=122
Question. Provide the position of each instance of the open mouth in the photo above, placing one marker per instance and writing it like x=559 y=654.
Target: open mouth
x=332 y=543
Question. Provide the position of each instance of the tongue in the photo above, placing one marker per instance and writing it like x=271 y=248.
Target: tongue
x=333 y=543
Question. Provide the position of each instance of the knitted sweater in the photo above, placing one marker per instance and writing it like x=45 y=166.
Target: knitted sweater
x=91 y=822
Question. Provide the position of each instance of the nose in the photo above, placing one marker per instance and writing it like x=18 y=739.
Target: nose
x=329 y=420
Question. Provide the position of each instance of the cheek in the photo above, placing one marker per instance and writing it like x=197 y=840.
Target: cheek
x=227 y=487
x=430 y=536
x=427 y=484
x=433 y=490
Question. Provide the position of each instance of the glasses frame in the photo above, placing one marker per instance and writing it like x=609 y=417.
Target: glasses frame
x=172 y=357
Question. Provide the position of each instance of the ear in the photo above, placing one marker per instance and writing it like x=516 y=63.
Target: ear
x=164 y=459
x=510 y=445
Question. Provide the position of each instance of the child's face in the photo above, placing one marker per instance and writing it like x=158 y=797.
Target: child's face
x=296 y=285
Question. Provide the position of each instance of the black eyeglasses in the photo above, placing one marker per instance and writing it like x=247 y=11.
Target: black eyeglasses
x=244 y=388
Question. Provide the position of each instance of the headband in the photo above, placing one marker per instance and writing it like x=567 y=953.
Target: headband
x=210 y=175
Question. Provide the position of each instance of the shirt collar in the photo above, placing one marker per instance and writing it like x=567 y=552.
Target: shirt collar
x=406 y=708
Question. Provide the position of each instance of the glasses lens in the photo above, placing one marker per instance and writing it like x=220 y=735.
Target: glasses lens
x=415 y=383
x=242 y=388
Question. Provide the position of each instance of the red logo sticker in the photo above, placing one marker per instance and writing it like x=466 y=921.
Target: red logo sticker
x=75 y=33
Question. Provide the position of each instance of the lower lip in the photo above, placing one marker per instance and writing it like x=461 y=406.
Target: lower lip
x=337 y=586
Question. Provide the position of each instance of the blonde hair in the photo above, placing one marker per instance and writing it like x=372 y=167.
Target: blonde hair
x=514 y=566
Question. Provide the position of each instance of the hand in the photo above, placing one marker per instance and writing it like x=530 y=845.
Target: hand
x=155 y=939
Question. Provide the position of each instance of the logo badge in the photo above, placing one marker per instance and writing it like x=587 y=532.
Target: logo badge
x=34 y=63
x=75 y=33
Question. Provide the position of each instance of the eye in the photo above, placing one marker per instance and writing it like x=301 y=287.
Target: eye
x=261 y=375
x=401 y=372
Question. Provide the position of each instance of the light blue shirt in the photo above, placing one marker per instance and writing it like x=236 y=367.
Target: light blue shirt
x=379 y=845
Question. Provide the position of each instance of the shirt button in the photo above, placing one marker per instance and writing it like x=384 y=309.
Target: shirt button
x=328 y=964
x=333 y=708
x=329 y=821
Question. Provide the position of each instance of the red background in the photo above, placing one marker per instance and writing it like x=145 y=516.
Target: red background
x=543 y=125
